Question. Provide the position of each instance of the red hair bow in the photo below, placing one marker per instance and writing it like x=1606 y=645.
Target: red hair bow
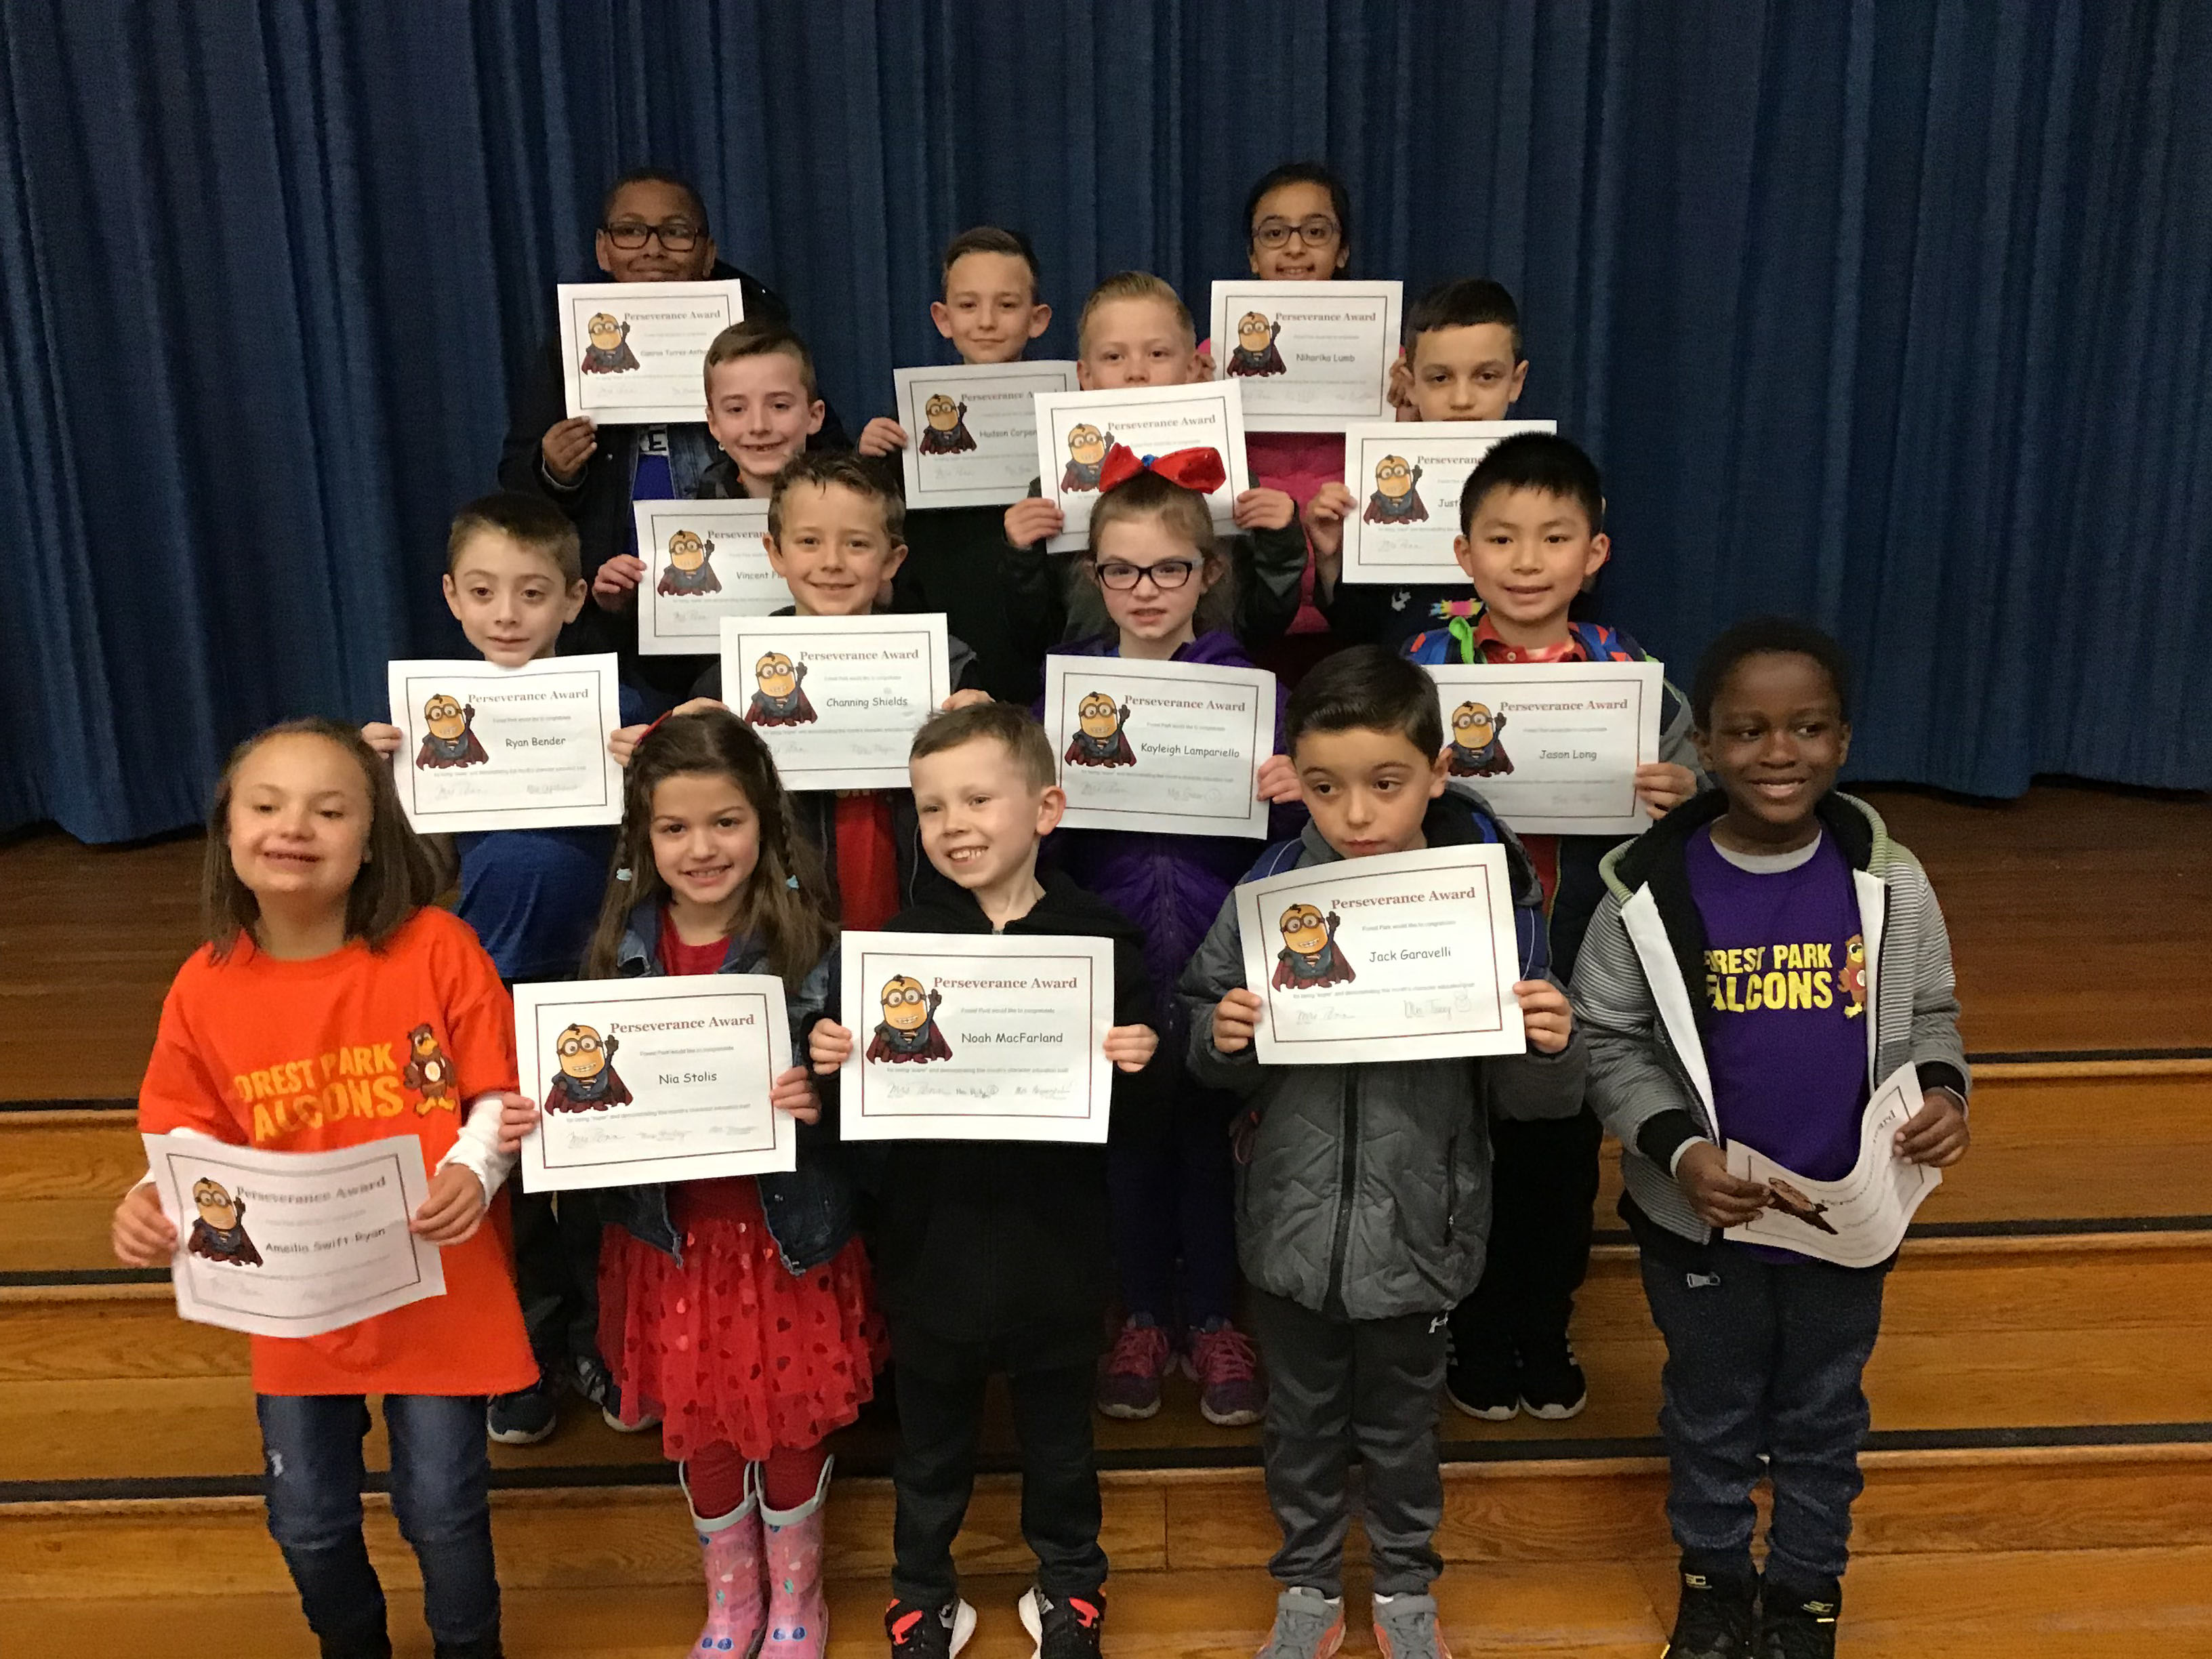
x=1193 y=469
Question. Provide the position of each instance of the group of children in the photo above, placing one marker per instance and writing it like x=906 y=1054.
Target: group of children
x=1406 y=1230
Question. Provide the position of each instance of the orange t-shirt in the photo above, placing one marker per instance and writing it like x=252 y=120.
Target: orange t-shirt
x=357 y=1046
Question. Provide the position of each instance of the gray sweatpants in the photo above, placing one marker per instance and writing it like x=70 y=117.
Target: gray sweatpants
x=1338 y=1386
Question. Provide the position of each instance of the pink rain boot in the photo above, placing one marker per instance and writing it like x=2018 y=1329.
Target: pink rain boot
x=735 y=1598
x=797 y=1613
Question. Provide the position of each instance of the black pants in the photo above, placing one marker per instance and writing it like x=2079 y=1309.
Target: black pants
x=934 y=1474
x=1336 y=1386
x=1544 y=1177
x=557 y=1273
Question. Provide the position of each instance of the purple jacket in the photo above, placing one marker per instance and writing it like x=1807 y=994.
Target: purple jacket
x=1171 y=886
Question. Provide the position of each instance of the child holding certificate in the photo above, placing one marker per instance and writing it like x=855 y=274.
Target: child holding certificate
x=1745 y=947
x=993 y=1256
x=1531 y=533
x=1136 y=331
x=1364 y=1200
x=736 y=1310
x=303 y=1025
x=1161 y=577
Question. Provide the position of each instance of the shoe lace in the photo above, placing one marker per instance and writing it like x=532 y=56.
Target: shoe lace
x=1301 y=1622
x=1223 y=1355
x=1711 y=1621
x=1413 y=1631
x=914 y=1628
x=1138 y=1351
x=1071 y=1627
x=1793 y=1633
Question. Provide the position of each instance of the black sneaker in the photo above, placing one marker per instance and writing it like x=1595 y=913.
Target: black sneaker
x=1552 y=1386
x=525 y=1417
x=923 y=1632
x=589 y=1375
x=1793 y=1625
x=1484 y=1383
x=1716 y=1617
x=1063 y=1627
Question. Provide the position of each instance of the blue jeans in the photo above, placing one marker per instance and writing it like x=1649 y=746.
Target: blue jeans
x=441 y=1476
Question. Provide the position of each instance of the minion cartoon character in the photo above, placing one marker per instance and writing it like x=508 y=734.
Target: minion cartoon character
x=1099 y=739
x=1310 y=955
x=429 y=1073
x=1395 y=499
x=1087 y=453
x=219 y=1233
x=449 y=737
x=781 y=700
x=608 y=352
x=1476 y=749
x=1853 y=978
x=945 y=429
x=908 y=1032
x=1785 y=1198
x=687 y=571
x=587 y=1081
x=1256 y=353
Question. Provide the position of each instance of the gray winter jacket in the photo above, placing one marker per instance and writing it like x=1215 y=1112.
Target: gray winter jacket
x=1367 y=1192
x=1640 y=981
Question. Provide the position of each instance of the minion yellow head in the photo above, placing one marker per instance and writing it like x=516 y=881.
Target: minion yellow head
x=1098 y=715
x=606 y=332
x=777 y=677
x=943 y=413
x=1303 y=930
x=443 y=714
x=1086 y=445
x=1393 y=476
x=685 y=550
x=215 y=1204
x=1252 y=331
x=581 y=1057
x=1472 y=726
x=906 y=1008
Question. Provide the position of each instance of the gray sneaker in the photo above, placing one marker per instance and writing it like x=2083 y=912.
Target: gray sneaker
x=1405 y=1628
x=1308 y=1625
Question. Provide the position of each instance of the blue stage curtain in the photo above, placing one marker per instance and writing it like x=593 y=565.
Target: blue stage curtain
x=1895 y=316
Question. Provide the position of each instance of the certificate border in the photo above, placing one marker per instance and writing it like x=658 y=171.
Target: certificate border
x=1194 y=394
x=1175 y=822
x=376 y=1156
x=905 y=958
x=466 y=673
x=921 y=496
x=651 y=640
x=938 y=649
x=1363 y=571
x=1391 y=323
x=568 y=296
x=1554 y=676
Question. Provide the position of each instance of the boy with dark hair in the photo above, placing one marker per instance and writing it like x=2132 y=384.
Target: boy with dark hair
x=1355 y=1251
x=991 y=308
x=513 y=579
x=992 y=1256
x=1463 y=362
x=1765 y=1349
x=652 y=229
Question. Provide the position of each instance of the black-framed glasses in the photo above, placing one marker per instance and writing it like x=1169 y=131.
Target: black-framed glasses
x=1168 y=574
x=678 y=235
x=1314 y=233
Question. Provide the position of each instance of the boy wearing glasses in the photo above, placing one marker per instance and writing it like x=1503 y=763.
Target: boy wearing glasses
x=652 y=229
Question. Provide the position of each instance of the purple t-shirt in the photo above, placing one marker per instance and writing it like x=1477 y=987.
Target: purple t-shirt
x=1785 y=985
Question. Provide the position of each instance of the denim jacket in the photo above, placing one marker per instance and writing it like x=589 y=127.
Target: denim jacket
x=809 y=1210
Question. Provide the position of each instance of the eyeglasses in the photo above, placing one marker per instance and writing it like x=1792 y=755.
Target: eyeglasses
x=898 y=997
x=580 y=1046
x=1314 y=233
x=678 y=235
x=1166 y=575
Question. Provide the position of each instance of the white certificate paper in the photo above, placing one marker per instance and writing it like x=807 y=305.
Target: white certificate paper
x=1554 y=747
x=703 y=561
x=1074 y=430
x=1311 y=356
x=636 y=353
x=488 y=747
x=1168 y=747
x=661 y=1078
x=1856 y=1222
x=971 y=430
x=966 y=1037
x=1404 y=955
x=836 y=699
x=1407 y=478
x=294 y=1243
